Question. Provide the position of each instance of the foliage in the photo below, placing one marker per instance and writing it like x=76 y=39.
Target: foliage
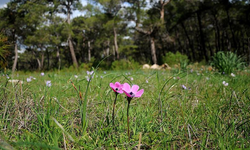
x=124 y=64
x=176 y=58
x=183 y=64
x=89 y=65
x=227 y=62
x=196 y=29
x=4 y=47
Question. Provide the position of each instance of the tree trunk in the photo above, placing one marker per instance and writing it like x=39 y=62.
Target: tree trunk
x=113 y=52
x=42 y=62
x=190 y=44
x=107 y=49
x=153 y=51
x=217 y=33
x=58 y=57
x=116 y=45
x=48 y=59
x=72 y=51
x=71 y=47
x=162 y=12
x=163 y=3
x=89 y=52
x=202 y=41
x=39 y=63
x=231 y=29
x=152 y=42
x=248 y=50
x=15 y=60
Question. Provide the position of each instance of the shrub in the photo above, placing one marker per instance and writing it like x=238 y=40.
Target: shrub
x=183 y=64
x=227 y=62
x=89 y=65
x=124 y=64
x=177 y=58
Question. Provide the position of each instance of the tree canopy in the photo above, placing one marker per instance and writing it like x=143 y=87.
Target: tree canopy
x=140 y=30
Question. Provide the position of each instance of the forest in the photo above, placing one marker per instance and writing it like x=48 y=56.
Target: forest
x=43 y=35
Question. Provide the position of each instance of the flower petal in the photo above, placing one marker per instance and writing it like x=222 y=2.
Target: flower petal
x=127 y=94
x=118 y=84
x=126 y=88
x=111 y=85
x=139 y=93
x=135 y=88
x=119 y=91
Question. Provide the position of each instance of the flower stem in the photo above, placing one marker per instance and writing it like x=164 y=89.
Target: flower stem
x=113 y=114
x=129 y=99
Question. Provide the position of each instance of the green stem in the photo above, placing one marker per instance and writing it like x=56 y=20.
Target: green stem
x=113 y=114
x=129 y=99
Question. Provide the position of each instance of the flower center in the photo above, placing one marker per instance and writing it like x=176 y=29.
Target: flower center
x=132 y=94
x=116 y=89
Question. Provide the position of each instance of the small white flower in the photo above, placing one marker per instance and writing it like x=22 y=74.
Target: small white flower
x=42 y=74
x=131 y=78
x=48 y=83
x=31 y=77
x=87 y=78
x=207 y=78
x=104 y=72
x=184 y=87
x=90 y=72
x=225 y=83
x=232 y=74
x=28 y=79
x=76 y=76
x=146 y=81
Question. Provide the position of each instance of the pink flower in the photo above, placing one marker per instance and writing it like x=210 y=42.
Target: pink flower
x=117 y=87
x=132 y=92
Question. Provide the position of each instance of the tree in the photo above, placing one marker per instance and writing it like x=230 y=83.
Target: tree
x=67 y=7
x=151 y=25
x=12 y=24
x=112 y=8
x=19 y=21
x=4 y=50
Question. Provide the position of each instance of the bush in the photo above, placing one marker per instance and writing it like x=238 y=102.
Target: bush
x=227 y=62
x=124 y=64
x=89 y=65
x=177 y=58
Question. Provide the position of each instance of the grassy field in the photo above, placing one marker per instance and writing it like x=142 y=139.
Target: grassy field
x=178 y=110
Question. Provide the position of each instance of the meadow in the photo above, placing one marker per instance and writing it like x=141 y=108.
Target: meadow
x=193 y=109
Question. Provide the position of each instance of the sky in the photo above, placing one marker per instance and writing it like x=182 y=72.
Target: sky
x=3 y=3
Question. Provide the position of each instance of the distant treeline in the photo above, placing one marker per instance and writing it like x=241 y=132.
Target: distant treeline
x=144 y=31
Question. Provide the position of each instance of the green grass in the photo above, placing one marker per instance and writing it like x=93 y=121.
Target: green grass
x=208 y=115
